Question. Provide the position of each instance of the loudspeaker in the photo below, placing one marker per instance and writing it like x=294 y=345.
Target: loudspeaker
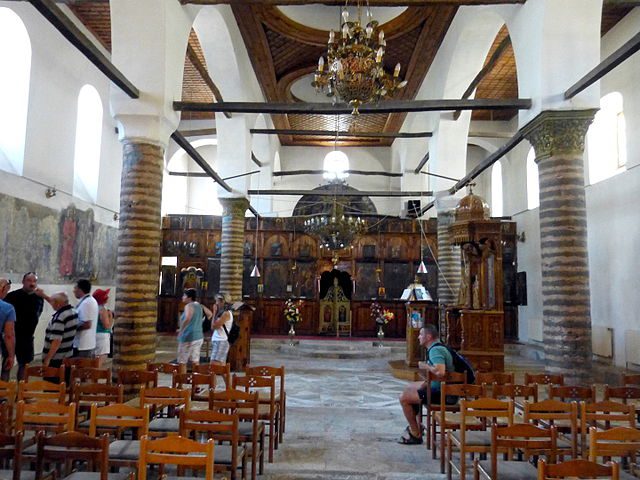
x=413 y=208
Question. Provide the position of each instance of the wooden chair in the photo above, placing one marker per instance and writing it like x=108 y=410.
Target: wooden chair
x=622 y=442
x=198 y=384
x=567 y=393
x=89 y=375
x=490 y=378
x=564 y=415
x=216 y=369
x=41 y=390
x=623 y=394
x=470 y=438
x=267 y=412
x=250 y=429
x=577 y=469
x=631 y=379
x=179 y=451
x=603 y=416
x=81 y=363
x=281 y=394
x=11 y=452
x=117 y=419
x=166 y=368
x=518 y=393
x=84 y=395
x=543 y=378
x=43 y=373
x=46 y=417
x=523 y=440
x=433 y=407
x=221 y=427
x=137 y=378
x=70 y=448
x=164 y=403
x=8 y=398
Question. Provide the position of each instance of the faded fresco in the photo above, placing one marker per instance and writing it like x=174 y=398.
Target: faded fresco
x=59 y=246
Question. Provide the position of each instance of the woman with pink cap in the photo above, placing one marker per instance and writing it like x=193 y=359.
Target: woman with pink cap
x=105 y=323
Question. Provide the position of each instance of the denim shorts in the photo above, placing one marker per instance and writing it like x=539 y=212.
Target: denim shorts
x=219 y=351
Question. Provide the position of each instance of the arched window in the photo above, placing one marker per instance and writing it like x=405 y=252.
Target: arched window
x=15 y=62
x=607 y=139
x=336 y=164
x=86 y=162
x=533 y=185
x=496 y=190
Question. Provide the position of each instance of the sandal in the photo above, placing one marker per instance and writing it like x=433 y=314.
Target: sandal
x=411 y=440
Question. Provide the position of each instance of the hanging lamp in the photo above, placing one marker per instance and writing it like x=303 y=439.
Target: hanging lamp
x=255 y=273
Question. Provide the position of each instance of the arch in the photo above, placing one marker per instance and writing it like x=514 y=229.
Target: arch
x=533 y=181
x=86 y=161
x=607 y=139
x=497 y=205
x=15 y=59
x=321 y=205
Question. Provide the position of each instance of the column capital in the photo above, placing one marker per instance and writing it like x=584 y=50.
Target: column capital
x=556 y=132
x=236 y=206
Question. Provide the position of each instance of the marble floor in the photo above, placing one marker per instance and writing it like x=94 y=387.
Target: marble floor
x=343 y=416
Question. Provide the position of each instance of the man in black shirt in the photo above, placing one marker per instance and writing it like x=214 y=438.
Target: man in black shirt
x=28 y=304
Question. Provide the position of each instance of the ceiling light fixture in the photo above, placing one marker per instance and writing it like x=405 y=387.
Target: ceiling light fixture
x=355 y=70
x=335 y=231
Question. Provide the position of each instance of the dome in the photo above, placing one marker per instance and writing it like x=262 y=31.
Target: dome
x=472 y=207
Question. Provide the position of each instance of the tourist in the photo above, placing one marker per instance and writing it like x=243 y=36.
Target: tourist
x=84 y=345
x=221 y=326
x=60 y=333
x=105 y=324
x=439 y=362
x=190 y=336
x=28 y=303
x=7 y=327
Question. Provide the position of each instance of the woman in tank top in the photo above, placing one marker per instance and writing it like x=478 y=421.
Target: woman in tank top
x=223 y=320
x=190 y=334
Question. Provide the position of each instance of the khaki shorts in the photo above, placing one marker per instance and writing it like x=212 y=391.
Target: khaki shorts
x=189 y=351
x=103 y=344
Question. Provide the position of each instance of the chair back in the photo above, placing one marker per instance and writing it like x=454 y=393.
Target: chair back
x=176 y=450
x=89 y=375
x=549 y=412
x=487 y=410
x=623 y=442
x=167 y=368
x=8 y=397
x=11 y=449
x=216 y=425
x=41 y=390
x=41 y=372
x=216 y=369
x=100 y=393
x=119 y=416
x=544 y=378
x=631 y=379
x=198 y=383
x=577 y=469
x=499 y=378
x=235 y=401
x=515 y=391
x=70 y=447
x=168 y=399
x=267 y=371
x=251 y=383
x=567 y=393
x=47 y=416
x=81 y=362
x=605 y=415
x=137 y=378
x=622 y=393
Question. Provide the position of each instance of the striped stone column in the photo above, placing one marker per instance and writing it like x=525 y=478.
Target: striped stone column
x=558 y=140
x=138 y=256
x=232 y=246
x=448 y=257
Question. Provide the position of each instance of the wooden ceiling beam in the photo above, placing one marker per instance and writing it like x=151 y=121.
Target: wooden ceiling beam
x=422 y=163
x=286 y=173
x=372 y=3
x=74 y=35
x=200 y=132
x=330 y=193
x=329 y=133
x=390 y=106
x=204 y=74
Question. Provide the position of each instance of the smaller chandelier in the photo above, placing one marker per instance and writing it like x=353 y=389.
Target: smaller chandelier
x=355 y=73
x=335 y=231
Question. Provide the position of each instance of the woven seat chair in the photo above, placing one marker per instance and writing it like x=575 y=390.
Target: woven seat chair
x=178 y=451
x=281 y=393
x=577 y=469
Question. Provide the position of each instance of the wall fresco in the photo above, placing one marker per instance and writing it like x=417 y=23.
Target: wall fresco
x=59 y=245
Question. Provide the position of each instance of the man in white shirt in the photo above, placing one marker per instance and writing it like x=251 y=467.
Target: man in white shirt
x=84 y=345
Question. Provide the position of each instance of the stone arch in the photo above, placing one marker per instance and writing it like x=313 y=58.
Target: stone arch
x=318 y=205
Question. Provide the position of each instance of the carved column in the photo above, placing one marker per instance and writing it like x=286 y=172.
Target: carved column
x=138 y=256
x=558 y=140
x=232 y=246
x=448 y=257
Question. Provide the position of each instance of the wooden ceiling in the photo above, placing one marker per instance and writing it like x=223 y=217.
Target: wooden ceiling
x=282 y=51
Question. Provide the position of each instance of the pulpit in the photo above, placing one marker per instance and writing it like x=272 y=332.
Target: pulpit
x=475 y=325
x=240 y=351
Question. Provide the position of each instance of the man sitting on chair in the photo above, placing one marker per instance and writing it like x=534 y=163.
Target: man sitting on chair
x=439 y=362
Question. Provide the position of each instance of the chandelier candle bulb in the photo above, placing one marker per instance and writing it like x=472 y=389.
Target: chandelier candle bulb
x=381 y=36
x=345 y=31
x=345 y=16
x=321 y=64
x=332 y=36
x=379 y=55
x=369 y=31
x=396 y=71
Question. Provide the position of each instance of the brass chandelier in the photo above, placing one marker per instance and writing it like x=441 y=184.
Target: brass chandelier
x=335 y=231
x=355 y=72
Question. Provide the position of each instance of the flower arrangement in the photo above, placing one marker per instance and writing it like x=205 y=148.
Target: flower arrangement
x=292 y=311
x=380 y=315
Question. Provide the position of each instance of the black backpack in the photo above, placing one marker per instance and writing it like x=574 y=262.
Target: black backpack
x=460 y=363
x=233 y=334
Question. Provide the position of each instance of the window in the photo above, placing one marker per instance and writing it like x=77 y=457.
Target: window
x=607 y=139
x=533 y=185
x=496 y=190
x=336 y=164
x=86 y=162
x=15 y=63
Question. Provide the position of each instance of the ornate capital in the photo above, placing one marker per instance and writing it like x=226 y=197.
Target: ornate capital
x=234 y=206
x=556 y=132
